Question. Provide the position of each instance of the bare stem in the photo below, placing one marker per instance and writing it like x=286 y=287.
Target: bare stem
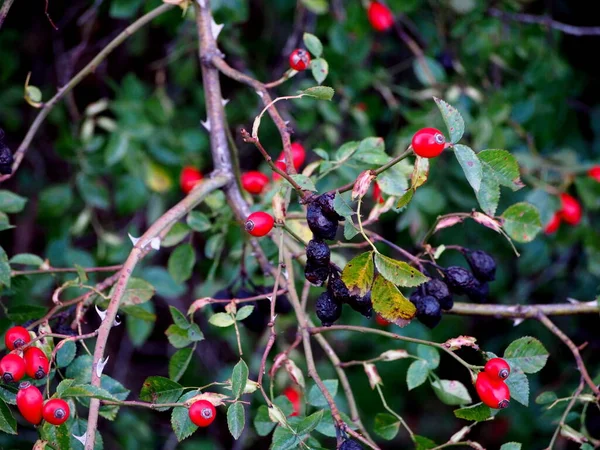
x=4 y=10
x=394 y=413
x=566 y=412
x=14 y=273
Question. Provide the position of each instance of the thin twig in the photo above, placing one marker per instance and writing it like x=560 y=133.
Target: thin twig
x=565 y=413
x=546 y=21
x=14 y=273
x=4 y=10
x=524 y=311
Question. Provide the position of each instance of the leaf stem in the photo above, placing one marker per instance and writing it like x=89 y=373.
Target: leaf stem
x=360 y=226
x=393 y=413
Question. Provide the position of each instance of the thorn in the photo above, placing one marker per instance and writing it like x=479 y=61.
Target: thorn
x=260 y=94
x=517 y=322
x=285 y=274
x=134 y=240
x=215 y=28
x=206 y=124
x=224 y=101
x=155 y=243
x=82 y=438
x=270 y=298
x=101 y=313
x=100 y=367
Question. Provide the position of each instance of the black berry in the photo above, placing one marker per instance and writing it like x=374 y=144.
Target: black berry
x=439 y=290
x=315 y=273
x=322 y=226
x=6 y=160
x=318 y=252
x=363 y=305
x=458 y=279
x=350 y=444
x=338 y=290
x=328 y=310
x=429 y=311
x=482 y=264
x=478 y=292
x=326 y=203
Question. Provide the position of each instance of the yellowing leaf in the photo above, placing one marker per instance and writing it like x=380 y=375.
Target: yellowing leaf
x=157 y=178
x=390 y=304
x=358 y=274
x=399 y=272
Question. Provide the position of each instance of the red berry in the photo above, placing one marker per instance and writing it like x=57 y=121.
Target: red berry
x=36 y=363
x=29 y=403
x=280 y=164
x=294 y=397
x=428 y=142
x=202 y=413
x=554 y=224
x=571 y=209
x=299 y=59
x=298 y=155
x=12 y=368
x=259 y=223
x=56 y=411
x=190 y=177
x=254 y=182
x=377 y=193
x=381 y=321
x=380 y=16
x=494 y=393
x=497 y=369
x=594 y=173
x=16 y=337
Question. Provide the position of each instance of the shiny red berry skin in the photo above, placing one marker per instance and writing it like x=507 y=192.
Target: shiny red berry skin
x=37 y=365
x=12 y=368
x=594 y=173
x=571 y=209
x=202 y=413
x=299 y=59
x=428 y=142
x=298 y=158
x=16 y=337
x=381 y=321
x=190 y=177
x=377 y=193
x=493 y=393
x=259 y=223
x=56 y=411
x=30 y=402
x=254 y=182
x=294 y=397
x=380 y=16
x=554 y=224
x=497 y=369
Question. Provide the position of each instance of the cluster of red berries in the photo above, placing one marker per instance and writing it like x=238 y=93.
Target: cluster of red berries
x=490 y=385
x=35 y=364
x=202 y=413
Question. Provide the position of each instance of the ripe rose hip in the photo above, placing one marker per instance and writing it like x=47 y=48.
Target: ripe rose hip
x=298 y=157
x=428 y=142
x=30 y=402
x=294 y=397
x=571 y=209
x=259 y=223
x=380 y=16
x=497 y=368
x=299 y=59
x=493 y=393
x=12 y=368
x=56 y=411
x=554 y=223
x=202 y=413
x=594 y=173
x=16 y=337
x=254 y=182
x=190 y=177
x=36 y=363
x=377 y=193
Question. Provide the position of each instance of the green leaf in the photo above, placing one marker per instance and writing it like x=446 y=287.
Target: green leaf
x=313 y=44
x=398 y=272
x=476 y=413
x=8 y=396
x=341 y=206
x=176 y=235
x=160 y=390
x=346 y=151
x=182 y=337
x=420 y=172
x=198 y=222
x=4 y=269
x=503 y=166
x=239 y=378
x=81 y=369
x=451 y=392
x=23 y=313
x=27 y=259
x=138 y=291
x=66 y=354
x=87 y=390
x=425 y=68
x=511 y=446
x=8 y=424
x=430 y=355
x=244 y=312
x=236 y=419
x=423 y=443
x=371 y=150
x=470 y=164
x=327 y=426
x=319 y=92
x=319 y=69
x=488 y=194
x=358 y=274
x=588 y=190
x=181 y=263
x=284 y=439
x=350 y=229
x=405 y=199
x=386 y=426
x=522 y=222
x=262 y=422
x=221 y=320
x=519 y=387
x=316 y=397
x=116 y=148
x=180 y=418
x=11 y=203
x=179 y=318
x=546 y=397
x=393 y=181
x=179 y=363
x=4 y=222
x=60 y=436
x=316 y=6
x=417 y=374
x=304 y=182
x=389 y=302
x=527 y=354
x=452 y=118
x=309 y=423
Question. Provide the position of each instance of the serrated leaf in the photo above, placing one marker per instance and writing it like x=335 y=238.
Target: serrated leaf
x=236 y=419
x=304 y=182
x=527 y=354
x=87 y=390
x=180 y=337
x=430 y=355
x=244 y=312
x=393 y=181
x=341 y=206
x=66 y=354
x=488 y=194
x=346 y=151
x=390 y=304
x=451 y=392
x=27 y=259
x=160 y=390
x=522 y=222
x=423 y=443
x=319 y=69
x=476 y=413
x=371 y=150
x=239 y=377
x=358 y=273
x=386 y=426
x=221 y=320
x=179 y=318
x=8 y=396
x=180 y=418
x=11 y=203
x=350 y=229
x=8 y=424
x=309 y=423
x=262 y=422
x=198 y=222
x=398 y=272
x=315 y=396
x=511 y=446
x=179 y=362
x=138 y=291
x=470 y=164
x=545 y=398
x=519 y=387
x=284 y=439
x=319 y=92
x=416 y=374
x=452 y=118
x=181 y=262
x=313 y=44
x=503 y=166
x=80 y=369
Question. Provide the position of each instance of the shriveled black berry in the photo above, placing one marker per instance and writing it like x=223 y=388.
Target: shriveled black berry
x=326 y=203
x=482 y=264
x=439 y=290
x=429 y=311
x=478 y=292
x=6 y=160
x=350 y=444
x=458 y=279
x=318 y=252
x=338 y=289
x=363 y=304
x=322 y=226
x=223 y=294
x=328 y=310
x=315 y=273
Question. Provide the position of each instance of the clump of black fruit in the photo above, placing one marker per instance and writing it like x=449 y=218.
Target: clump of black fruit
x=328 y=309
x=482 y=264
x=318 y=251
x=459 y=279
x=439 y=290
x=322 y=218
x=6 y=157
x=429 y=311
x=350 y=444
